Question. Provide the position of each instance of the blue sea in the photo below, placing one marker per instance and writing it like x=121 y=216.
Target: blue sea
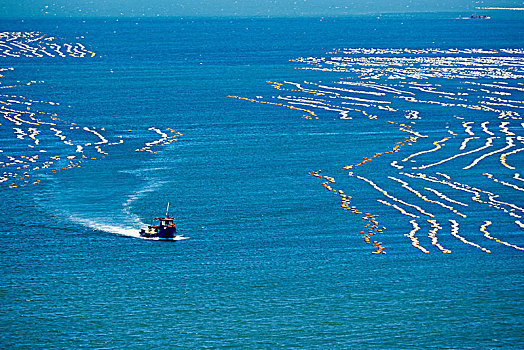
x=345 y=183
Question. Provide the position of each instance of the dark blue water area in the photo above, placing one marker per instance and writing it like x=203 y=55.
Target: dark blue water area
x=271 y=261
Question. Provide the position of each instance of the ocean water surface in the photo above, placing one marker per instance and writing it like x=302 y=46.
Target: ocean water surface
x=345 y=183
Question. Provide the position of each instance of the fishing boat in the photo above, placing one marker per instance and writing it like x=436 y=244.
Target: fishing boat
x=164 y=230
x=479 y=17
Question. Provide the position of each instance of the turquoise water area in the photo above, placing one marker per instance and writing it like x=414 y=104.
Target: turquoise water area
x=345 y=183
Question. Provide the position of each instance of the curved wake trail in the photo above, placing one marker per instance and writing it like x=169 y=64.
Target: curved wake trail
x=127 y=231
x=96 y=225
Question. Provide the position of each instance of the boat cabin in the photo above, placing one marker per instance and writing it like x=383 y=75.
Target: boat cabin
x=165 y=221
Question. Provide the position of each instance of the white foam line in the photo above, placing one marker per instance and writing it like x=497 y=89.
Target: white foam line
x=303 y=101
x=33 y=134
x=379 y=87
x=454 y=232
x=14 y=101
x=17 y=115
x=485 y=128
x=14 y=121
x=19 y=133
x=511 y=205
x=414 y=240
x=395 y=165
x=484 y=230
x=503 y=8
x=401 y=210
x=99 y=150
x=343 y=113
x=505 y=155
x=488 y=144
x=500 y=104
x=433 y=236
x=119 y=142
x=418 y=194
x=137 y=195
x=363 y=100
x=387 y=108
x=504 y=87
x=509 y=114
x=163 y=137
x=124 y=231
x=68 y=48
x=443 y=175
x=58 y=133
x=297 y=85
x=516 y=176
x=351 y=91
x=42 y=49
x=432 y=91
x=510 y=142
x=56 y=48
x=476 y=193
x=81 y=51
x=102 y=138
x=413 y=132
x=444 y=197
x=490 y=176
x=437 y=147
x=419 y=209
x=357 y=104
x=158 y=131
x=465 y=142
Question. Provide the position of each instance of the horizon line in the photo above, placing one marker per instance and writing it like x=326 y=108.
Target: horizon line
x=234 y=16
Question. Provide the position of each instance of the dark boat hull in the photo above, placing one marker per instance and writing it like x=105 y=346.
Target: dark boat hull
x=159 y=233
x=165 y=230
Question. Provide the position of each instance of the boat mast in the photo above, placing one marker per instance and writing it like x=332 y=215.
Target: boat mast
x=167 y=210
